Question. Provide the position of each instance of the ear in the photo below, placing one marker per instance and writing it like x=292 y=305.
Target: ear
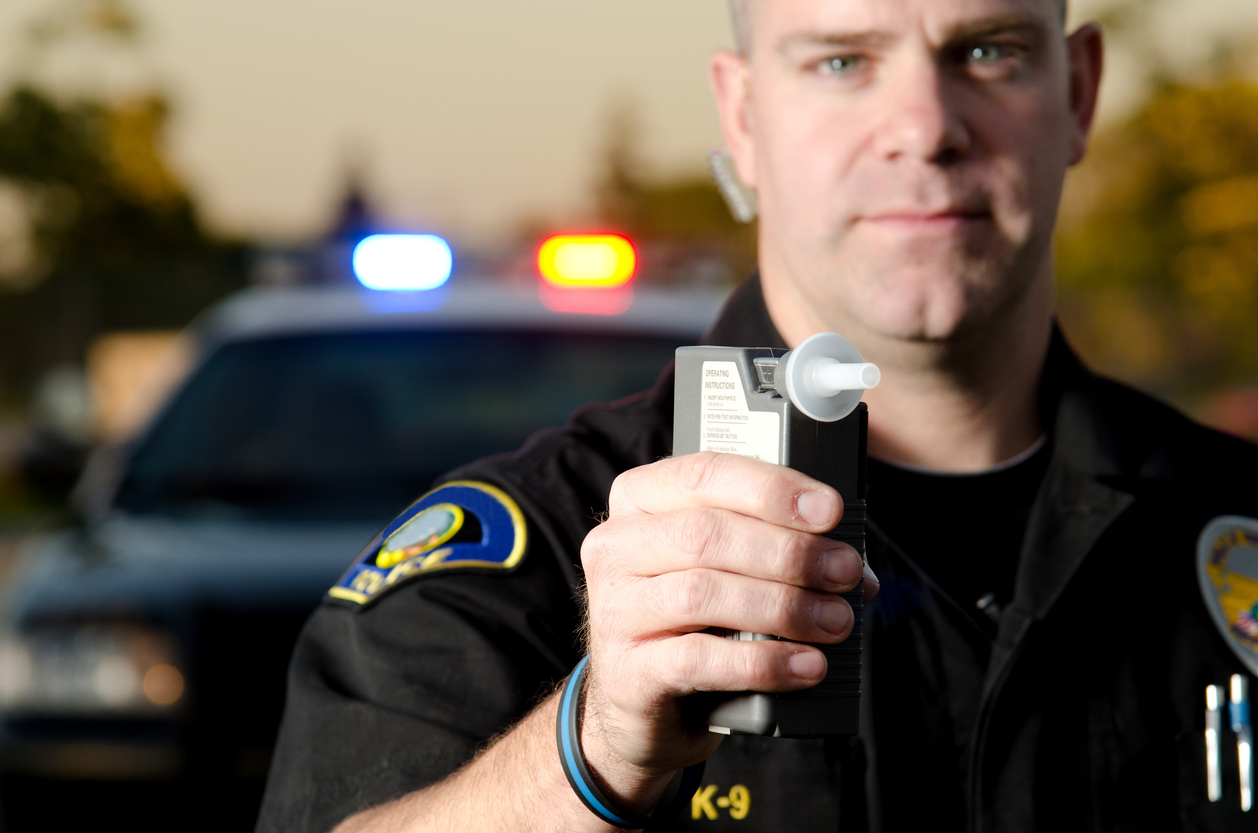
x=1086 y=51
x=730 y=75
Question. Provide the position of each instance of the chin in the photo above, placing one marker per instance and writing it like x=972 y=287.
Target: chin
x=915 y=304
x=920 y=324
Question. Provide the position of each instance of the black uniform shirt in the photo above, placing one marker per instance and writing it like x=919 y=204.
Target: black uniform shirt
x=1089 y=700
x=928 y=517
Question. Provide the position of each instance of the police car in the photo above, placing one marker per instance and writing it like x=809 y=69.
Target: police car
x=149 y=644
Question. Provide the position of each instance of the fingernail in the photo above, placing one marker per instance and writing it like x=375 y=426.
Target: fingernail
x=816 y=508
x=839 y=565
x=831 y=615
x=869 y=575
x=810 y=665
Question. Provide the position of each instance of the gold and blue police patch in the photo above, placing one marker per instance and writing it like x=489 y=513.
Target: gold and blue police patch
x=463 y=525
x=1227 y=570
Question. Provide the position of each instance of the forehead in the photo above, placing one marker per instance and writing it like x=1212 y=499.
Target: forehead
x=778 y=20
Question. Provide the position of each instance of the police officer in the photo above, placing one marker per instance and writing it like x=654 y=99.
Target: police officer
x=1037 y=655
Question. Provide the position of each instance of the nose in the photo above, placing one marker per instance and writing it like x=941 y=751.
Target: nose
x=922 y=121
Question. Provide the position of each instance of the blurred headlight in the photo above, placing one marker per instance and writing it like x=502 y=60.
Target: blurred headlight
x=94 y=669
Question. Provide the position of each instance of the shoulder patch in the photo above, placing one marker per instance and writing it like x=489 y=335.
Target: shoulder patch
x=463 y=525
x=1227 y=570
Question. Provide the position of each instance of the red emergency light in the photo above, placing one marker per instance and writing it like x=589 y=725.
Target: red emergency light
x=587 y=261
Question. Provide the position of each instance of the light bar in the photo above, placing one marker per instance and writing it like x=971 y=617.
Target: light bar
x=600 y=261
x=403 y=262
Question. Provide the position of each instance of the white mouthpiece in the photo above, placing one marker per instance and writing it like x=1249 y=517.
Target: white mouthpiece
x=829 y=376
x=825 y=377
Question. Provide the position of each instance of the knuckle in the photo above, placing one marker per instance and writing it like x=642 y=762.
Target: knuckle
x=771 y=492
x=788 y=483
x=787 y=609
x=759 y=667
x=698 y=470
x=792 y=560
x=686 y=658
x=617 y=496
x=676 y=667
x=620 y=498
x=690 y=594
x=695 y=534
x=776 y=483
x=594 y=552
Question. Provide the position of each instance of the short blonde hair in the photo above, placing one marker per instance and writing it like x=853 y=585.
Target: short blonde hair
x=739 y=15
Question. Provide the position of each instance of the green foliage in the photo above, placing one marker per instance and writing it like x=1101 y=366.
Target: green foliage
x=1158 y=245
x=115 y=240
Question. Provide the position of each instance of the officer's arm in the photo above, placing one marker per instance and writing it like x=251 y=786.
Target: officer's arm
x=516 y=784
x=690 y=543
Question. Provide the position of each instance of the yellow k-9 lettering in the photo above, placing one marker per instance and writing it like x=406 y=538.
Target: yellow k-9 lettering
x=705 y=802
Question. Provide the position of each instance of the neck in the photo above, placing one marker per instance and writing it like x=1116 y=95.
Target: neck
x=962 y=405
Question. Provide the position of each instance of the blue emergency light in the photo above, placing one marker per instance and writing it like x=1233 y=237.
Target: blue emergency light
x=403 y=262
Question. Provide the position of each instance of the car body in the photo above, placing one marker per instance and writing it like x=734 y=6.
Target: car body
x=148 y=645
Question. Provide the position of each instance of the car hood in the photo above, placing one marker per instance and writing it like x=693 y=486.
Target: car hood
x=160 y=568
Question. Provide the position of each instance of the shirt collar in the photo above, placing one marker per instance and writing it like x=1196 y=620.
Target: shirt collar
x=744 y=320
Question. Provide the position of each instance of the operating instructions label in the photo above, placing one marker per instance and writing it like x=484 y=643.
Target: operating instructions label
x=727 y=424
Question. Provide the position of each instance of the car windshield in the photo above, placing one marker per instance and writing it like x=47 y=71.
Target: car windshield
x=355 y=426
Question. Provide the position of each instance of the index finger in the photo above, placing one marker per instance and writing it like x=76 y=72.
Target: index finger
x=773 y=493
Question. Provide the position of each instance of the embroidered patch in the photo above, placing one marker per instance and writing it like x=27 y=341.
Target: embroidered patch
x=463 y=525
x=1227 y=570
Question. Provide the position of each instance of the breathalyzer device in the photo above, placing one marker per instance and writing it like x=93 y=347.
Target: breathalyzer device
x=800 y=408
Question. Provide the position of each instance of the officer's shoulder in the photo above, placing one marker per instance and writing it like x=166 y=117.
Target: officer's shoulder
x=559 y=470
x=460 y=526
x=1198 y=456
x=500 y=515
x=632 y=431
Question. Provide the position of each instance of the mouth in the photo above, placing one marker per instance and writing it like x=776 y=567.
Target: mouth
x=927 y=220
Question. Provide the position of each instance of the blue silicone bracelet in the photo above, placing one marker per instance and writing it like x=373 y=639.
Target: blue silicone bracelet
x=577 y=770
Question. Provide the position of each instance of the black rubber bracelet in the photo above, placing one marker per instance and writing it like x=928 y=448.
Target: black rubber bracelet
x=577 y=770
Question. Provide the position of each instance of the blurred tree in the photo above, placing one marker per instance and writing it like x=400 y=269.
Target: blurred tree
x=1158 y=245
x=1158 y=238
x=681 y=221
x=114 y=240
x=65 y=18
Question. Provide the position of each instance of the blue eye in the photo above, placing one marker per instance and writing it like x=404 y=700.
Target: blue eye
x=841 y=64
x=989 y=53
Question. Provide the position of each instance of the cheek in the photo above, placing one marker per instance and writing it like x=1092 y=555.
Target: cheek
x=808 y=151
x=1028 y=144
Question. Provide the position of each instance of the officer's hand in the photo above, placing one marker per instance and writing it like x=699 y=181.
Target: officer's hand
x=704 y=540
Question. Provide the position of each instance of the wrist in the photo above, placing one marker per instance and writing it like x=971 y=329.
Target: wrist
x=634 y=787
x=621 y=784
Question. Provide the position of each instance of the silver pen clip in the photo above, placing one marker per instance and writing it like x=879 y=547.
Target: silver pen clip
x=1244 y=729
x=1215 y=698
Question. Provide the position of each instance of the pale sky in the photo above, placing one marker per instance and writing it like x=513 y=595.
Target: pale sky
x=470 y=114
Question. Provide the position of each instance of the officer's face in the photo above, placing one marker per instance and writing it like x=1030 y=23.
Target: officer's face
x=908 y=155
